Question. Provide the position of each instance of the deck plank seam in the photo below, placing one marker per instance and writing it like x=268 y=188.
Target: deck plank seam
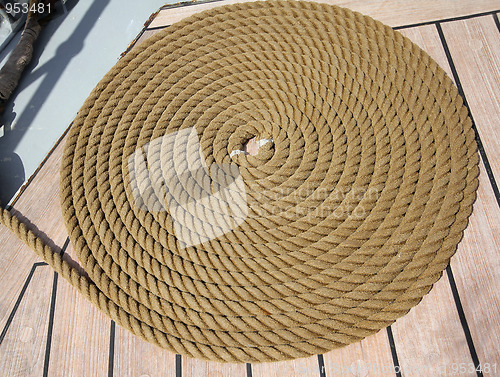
x=407 y=26
x=497 y=22
x=479 y=142
x=394 y=353
x=484 y=158
x=451 y=19
x=249 y=370
x=399 y=27
x=158 y=27
x=111 y=357
x=463 y=322
x=321 y=365
x=248 y=367
x=178 y=365
x=48 y=342
x=183 y=4
x=19 y=299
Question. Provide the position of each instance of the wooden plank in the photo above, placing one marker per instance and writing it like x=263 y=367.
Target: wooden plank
x=371 y=358
x=305 y=367
x=380 y=344
x=80 y=336
x=433 y=324
x=40 y=204
x=475 y=48
x=441 y=342
x=476 y=268
x=199 y=368
x=43 y=190
x=476 y=282
x=427 y=346
x=23 y=348
x=393 y=13
x=16 y=261
x=170 y=15
x=136 y=357
x=146 y=35
x=427 y=38
x=406 y=12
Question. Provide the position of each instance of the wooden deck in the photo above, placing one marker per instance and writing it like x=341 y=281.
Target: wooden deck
x=48 y=329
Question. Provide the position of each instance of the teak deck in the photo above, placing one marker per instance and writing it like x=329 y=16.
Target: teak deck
x=48 y=329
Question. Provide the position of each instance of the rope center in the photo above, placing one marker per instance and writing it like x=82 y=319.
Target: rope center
x=251 y=146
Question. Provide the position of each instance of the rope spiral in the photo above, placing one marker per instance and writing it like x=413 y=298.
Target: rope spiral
x=355 y=202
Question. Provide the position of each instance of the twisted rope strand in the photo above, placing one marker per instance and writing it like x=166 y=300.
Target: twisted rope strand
x=348 y=216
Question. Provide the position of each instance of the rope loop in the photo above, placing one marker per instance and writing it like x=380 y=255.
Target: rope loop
x=349 y=212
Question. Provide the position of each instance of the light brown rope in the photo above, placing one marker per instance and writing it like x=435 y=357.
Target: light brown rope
x=355 y=207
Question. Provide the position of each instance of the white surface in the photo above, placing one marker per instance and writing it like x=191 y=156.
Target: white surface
x=74 y=52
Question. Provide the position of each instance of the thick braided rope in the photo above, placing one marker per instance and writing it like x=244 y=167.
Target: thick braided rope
x=355 y=207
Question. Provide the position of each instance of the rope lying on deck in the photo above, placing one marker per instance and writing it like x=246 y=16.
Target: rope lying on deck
x=356 y=200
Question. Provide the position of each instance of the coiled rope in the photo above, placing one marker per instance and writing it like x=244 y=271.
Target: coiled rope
x=357 y=197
